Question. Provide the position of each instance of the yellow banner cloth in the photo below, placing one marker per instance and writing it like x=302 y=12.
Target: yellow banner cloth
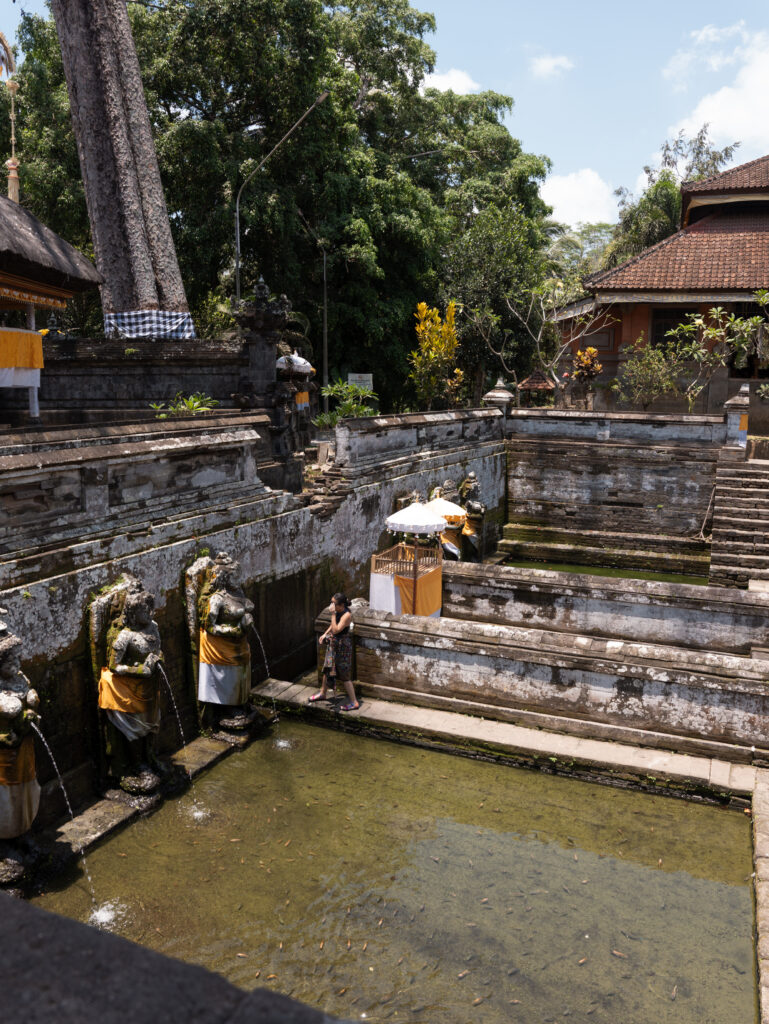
x=429 y=593
x=22 y=349
x=469 y=529
x=302 y=398
x=218 y=650
x=744 y=421
x=126 y=693
x=17 y=764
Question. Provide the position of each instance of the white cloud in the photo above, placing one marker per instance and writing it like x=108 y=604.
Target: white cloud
x=580 y=197
x=737 y=111
x=550 y=66
x=453 y=79
x=710 y=48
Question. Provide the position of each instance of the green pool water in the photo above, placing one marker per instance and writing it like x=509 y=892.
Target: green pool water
x=615 y=573
x=389 y=883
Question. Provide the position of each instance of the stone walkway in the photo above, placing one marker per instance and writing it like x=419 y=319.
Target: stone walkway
x=533 y=745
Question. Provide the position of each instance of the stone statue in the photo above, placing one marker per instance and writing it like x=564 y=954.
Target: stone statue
x=128 y=692
x=472 y=534
x=19 y=789
x=225 y=616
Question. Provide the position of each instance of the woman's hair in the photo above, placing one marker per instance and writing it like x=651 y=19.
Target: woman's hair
x=342 y=599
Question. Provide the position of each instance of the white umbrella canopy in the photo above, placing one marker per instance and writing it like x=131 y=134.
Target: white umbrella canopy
x=448 y=509
x=418 y=519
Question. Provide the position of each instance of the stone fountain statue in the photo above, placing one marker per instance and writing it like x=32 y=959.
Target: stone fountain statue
x=19 y=789
x=220 y=620
x=131 y=659
x=470 y=499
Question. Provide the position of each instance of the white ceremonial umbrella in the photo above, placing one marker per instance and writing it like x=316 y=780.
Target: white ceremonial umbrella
x=420 y=520
x=417 y=518
x=294 y=362
x=448 y=509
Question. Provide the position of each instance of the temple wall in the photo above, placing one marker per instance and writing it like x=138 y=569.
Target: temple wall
x=84 y=377
x=730 y=621
x=295 y=551
x=641 y=686
x=613 y=472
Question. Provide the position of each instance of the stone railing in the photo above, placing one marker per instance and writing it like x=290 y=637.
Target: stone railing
x=363 y=441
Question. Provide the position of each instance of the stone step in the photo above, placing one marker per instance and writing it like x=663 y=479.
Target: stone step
x=725 y=502
x=621 y=558
x=756 y=493
x=526 y=532
x=734 y=548
x=755 y=479
x=729 y=522
x=724 y=556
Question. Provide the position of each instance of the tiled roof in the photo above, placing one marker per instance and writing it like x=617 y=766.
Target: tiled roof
x=726 y=251
x=753 y=176
x=536 y=381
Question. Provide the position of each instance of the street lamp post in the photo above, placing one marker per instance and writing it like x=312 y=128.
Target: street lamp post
x=321 y=246
x=291 y=130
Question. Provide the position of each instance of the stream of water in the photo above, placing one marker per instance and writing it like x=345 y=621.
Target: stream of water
x=92 y=892
x=388 y=883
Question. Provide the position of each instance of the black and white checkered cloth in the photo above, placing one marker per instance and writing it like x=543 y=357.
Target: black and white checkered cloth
x=149 y=323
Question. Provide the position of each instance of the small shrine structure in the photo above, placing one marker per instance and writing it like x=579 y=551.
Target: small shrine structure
x=38 y=270
x=407 y=579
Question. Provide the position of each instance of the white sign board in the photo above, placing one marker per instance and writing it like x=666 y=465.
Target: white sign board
x=363 y=380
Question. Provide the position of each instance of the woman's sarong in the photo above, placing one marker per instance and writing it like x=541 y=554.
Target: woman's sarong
x=130 y=702
x=224 y=670
x=338 y=660
x=19 y=789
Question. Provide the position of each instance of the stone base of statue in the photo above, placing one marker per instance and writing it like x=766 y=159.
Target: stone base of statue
x=12 y=870
x=237 y=725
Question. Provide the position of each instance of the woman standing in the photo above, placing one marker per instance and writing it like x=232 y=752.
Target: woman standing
x=338 y=660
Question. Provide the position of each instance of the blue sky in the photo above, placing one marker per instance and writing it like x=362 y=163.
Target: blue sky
x=599 y=85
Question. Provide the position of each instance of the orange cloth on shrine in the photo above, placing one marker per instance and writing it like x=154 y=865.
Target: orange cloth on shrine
x=219 y=650
x=20 y=349
x=17 y=764
x=744 y=421
x=126 y=693
x=429 y=593
x=469 y=529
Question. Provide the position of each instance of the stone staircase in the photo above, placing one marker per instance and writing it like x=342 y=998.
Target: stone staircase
x=651 y=552
x=740 y=546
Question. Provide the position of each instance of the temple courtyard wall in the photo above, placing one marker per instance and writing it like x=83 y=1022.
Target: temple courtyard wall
x=84 y=507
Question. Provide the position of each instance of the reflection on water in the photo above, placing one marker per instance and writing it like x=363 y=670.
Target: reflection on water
x=381 y=881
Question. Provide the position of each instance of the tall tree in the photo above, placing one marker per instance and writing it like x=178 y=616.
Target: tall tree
x=386 y=175
x=124 y=194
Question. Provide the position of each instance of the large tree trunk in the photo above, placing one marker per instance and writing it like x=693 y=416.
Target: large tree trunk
x=131 y=234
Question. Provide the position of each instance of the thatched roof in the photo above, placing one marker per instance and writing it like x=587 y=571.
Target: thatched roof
x=537 y=381
x=29 y=249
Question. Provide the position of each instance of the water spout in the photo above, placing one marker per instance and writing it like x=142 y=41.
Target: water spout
x=79 y=850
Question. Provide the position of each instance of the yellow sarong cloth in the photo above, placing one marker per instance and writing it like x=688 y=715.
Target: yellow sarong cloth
x=126 y=693
x=218 y=650
x=17 y=764
x=429 y=593
x=21 y=349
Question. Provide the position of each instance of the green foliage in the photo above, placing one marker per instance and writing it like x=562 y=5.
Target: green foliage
x=498 y=257
x=196 y=404
x=352 y=400
x=650 y=372
x=692 y=352
x=433 y=363
x=387 y=176
x=656 y=213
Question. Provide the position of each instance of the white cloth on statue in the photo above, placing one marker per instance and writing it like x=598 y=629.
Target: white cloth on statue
x=19 y=377
x=224 y=684
x=18 y=807
x=134 y=725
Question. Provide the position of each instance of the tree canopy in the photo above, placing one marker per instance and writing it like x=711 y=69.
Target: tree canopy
x=387 y=176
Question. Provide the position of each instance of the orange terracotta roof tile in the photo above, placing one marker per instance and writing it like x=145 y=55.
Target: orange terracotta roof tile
x=753 y=176
x=726 y=251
